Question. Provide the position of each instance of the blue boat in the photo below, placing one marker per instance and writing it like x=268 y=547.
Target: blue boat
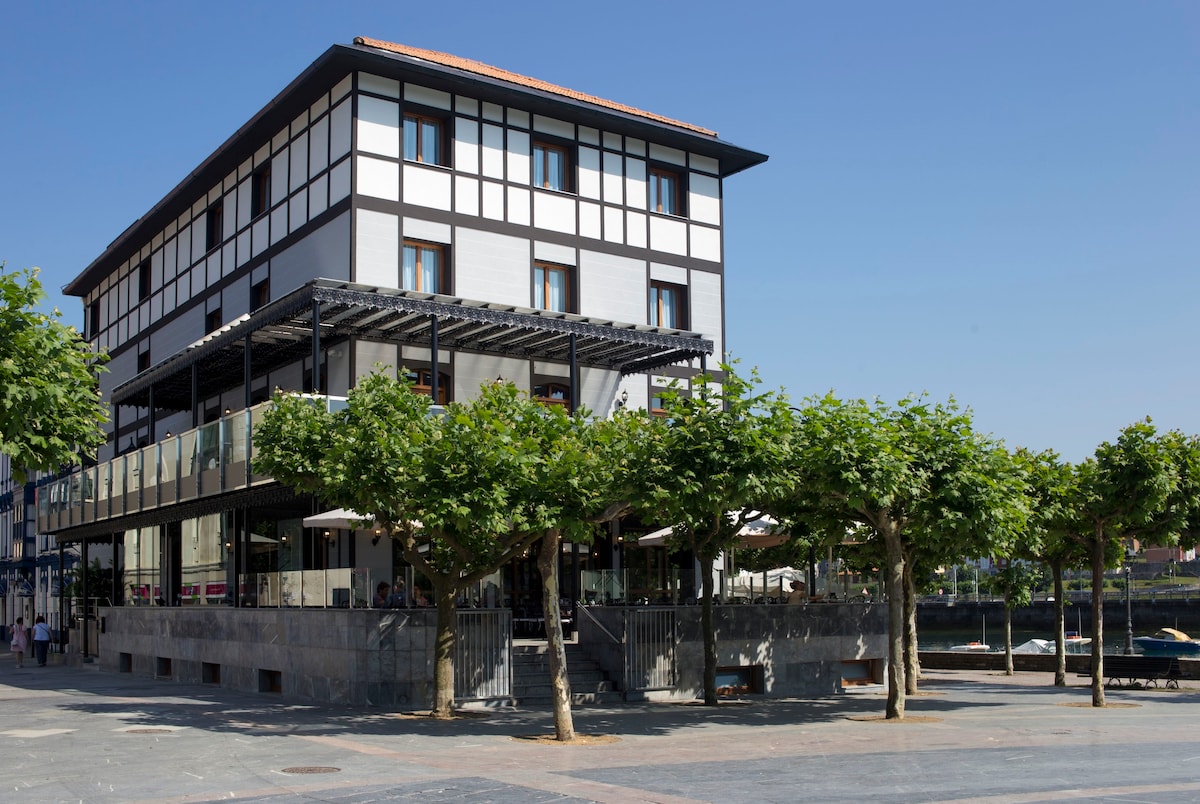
x=1168 y=642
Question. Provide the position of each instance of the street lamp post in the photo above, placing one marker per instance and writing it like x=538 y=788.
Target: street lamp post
x=1128 y=605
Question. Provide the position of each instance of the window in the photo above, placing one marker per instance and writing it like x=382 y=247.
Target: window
x=552 y=288
x=553 y=393
x=93 y=320
x=423 y=139
x=422 y=383
x=423 y=268
x=667 y=307
x=260 y=191
x=213 y=226
x=664 y=192
x=143 y=361
x=550 y=166
x=212 y=321
x=656 y=406
x=143 y=280
x=260 y=294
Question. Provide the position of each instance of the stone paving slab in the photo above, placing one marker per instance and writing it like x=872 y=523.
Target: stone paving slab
x=78 y=734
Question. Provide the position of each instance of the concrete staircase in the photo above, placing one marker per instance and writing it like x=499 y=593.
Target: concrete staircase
x=531 y=677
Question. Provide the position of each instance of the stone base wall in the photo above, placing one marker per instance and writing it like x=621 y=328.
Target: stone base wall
x=796 y=651
x=355 y=656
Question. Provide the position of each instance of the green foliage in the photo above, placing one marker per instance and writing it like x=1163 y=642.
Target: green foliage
x=715 y=458
x=927 y=486
x=50 y=407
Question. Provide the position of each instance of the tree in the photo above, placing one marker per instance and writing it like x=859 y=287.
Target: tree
x=450 y=489
x=1052 y=540
x=920 y=477
x=714 y=458
x=1144 y=486
x=583 y=473
x=50 y=407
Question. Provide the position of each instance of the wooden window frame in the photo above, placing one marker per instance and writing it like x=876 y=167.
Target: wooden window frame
x=656 y=309
x=260 y=294
x=143 y=280
x=260 y=191
x=423 y=383
x=546 y=268
x=213 y=317
x=419 y=117
x=657 y=175
x=214 y=226
x=546 y=147
x=443 y=275
x=548 y=398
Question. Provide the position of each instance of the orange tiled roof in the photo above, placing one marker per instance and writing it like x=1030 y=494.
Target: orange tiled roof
x=479 y=68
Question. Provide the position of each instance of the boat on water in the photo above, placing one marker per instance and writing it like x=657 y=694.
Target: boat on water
x=1168 y=642
x=1072 y=643
x=971 y=647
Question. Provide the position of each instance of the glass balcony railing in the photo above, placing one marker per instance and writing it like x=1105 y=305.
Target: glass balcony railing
x=211 y=459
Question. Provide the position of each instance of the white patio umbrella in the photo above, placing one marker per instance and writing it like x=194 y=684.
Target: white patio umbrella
x=761 y=531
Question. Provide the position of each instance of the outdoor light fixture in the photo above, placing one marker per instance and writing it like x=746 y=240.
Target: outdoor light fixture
x=168 y=434
x=624 y=398
x=228 y=411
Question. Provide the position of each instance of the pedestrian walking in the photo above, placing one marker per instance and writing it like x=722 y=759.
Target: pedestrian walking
x=20 y=640
x=41 y=640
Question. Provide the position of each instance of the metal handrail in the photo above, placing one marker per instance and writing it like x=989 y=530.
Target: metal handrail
x=597 y=623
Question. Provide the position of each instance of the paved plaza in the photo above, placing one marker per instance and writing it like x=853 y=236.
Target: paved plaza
x=78 y=734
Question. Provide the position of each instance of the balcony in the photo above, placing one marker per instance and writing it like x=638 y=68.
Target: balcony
x=205 y=461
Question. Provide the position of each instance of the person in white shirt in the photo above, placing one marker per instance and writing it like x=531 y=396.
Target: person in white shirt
x=41 y=640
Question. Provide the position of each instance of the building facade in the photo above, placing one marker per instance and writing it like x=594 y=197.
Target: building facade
x=400 y=209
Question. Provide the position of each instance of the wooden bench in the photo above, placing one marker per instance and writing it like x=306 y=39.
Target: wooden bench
x=1131 y=669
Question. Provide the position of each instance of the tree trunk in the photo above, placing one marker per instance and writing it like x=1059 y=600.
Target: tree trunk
x=895 y=592
x=710 y=633
x=443 y=653
x=1098 y=618
x=1060 y=632
x=560 y=684
x=912 y=660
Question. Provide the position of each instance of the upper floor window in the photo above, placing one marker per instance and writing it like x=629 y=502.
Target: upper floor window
x=143 y=361
x=143 y=280
x=260 y=294
x=214 y=226
x=551 y=287
x=260 y=191
x=550 y=167
x=667 y=305
x=93 y=320
x=423 y=268
x=423 y=139
x=552 y=393
x=664 y=192
x=212 y=320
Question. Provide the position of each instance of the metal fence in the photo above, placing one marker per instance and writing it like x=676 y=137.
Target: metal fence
x=650 y=648
x=483 y=654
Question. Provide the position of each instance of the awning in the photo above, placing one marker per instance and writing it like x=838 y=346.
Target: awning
x=762 y=531
x=339 y=519
x=282 y=332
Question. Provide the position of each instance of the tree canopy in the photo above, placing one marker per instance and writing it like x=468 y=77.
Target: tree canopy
x=920 y=477
x=50 y=407
x=715 y=456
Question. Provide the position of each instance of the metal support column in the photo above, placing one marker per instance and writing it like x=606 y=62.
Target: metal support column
x=195 y=395
x=574 y=359
x=433 y=359
x=316 y=348
x=83 y=584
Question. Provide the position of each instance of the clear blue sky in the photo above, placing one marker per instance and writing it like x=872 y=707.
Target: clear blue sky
x=999 y=202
